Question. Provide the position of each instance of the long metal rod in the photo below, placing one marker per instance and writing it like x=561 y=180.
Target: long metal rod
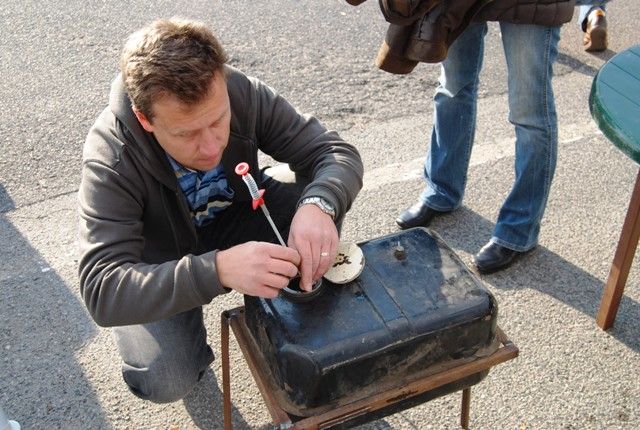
x=226 y=375
x=235 y=319
x=265 y=211
x=466 y=405
x=242 y=169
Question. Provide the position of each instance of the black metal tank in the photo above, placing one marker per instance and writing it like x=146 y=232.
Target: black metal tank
x=414 y=307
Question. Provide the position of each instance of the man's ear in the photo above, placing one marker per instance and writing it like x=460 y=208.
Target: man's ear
x=146 y=124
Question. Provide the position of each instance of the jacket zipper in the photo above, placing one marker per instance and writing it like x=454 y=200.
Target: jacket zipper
x=185 y=214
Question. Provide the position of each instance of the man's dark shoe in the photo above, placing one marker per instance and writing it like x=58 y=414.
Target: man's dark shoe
x=493 y=257
x=417 y=215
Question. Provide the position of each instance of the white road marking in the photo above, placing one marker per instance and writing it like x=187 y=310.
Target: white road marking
x=482 y=153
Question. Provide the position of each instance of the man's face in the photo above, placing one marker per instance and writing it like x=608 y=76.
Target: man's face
x=194 y=135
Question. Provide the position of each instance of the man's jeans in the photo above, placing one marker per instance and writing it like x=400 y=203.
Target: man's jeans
x=163 y=360
x=530 y=51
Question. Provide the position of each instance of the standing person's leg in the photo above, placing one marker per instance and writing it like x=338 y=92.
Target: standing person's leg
x=530 y=51
x=583 y=13
x=586 y=8
x=455 y=100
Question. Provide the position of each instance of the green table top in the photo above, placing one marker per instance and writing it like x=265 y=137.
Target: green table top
x=615 y=101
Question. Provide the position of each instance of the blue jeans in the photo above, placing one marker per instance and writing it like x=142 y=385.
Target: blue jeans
x=530 y=51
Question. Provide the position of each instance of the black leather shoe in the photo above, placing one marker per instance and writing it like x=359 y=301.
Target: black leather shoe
x=493 y=257
x=417 y=215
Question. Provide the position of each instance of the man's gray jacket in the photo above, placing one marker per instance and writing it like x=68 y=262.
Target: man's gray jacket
x=141 y=260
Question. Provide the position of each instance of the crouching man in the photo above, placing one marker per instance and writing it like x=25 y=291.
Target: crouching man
x=165 y=223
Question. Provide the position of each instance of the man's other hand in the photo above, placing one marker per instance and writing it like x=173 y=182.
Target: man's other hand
x=257 y=268
x=314 y=235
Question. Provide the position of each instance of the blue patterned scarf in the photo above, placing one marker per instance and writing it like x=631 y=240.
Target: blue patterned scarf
x=207 y=193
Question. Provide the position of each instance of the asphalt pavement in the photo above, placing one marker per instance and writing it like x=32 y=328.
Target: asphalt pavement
x=58 y=370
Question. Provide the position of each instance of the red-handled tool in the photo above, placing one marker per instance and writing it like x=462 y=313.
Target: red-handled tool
x=242 y=169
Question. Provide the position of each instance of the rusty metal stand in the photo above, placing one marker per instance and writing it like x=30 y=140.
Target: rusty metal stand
x=234 y=318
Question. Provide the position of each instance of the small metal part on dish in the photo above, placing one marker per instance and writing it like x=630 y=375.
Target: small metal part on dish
x=348 y=265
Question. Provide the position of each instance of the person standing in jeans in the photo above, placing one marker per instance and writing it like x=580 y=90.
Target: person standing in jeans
x=530 y=48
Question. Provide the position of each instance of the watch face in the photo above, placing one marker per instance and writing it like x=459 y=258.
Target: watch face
x=324 y=205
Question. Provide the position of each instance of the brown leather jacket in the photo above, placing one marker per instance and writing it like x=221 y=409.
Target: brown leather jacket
x=423 y=30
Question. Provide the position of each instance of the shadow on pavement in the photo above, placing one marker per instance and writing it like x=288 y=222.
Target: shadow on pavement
x=204 y=405
x=42 y=327
x=6 y=204
x=582 y=67
x=542 y=270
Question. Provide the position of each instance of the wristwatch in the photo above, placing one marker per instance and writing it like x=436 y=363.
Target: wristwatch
x=323 y=204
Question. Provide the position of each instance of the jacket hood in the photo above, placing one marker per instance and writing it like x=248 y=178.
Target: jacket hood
x=120 y=104
x=142 y=144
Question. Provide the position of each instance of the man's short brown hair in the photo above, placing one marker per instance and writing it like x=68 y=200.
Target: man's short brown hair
x=173 y=56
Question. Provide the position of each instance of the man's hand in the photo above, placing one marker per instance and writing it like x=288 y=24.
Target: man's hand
x=257 y=268
x=314 y=235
